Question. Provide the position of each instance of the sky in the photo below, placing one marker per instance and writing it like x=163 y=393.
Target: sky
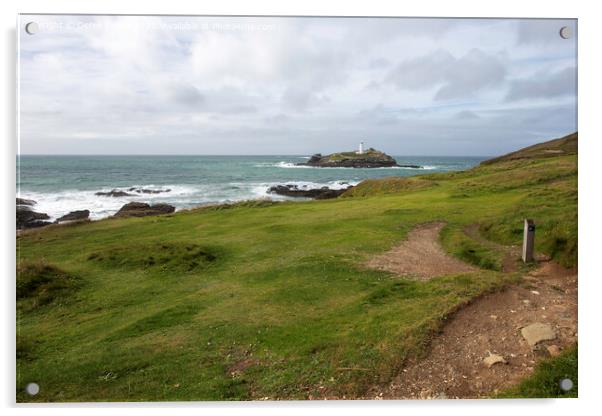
x=265 y=85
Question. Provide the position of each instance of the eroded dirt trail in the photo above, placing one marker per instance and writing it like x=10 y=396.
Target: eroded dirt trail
x=454 y=367
x=420 y=256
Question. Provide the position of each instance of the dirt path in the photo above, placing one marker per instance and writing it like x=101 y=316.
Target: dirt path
x=420 y=256
x=454 y=367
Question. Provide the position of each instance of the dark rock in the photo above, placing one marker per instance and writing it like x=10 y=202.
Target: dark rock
x=28 y=202
x=75 y=216
x=148 y=191
x=36 y=224
x=114 y=193
x=140 y=209
x=163 y=208
x=316 y=193
x=26 y=218
x=315 y=159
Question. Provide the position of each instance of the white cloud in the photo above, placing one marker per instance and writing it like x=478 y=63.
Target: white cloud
x=291 y=85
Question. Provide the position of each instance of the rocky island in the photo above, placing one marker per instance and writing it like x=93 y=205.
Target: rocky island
x=370 y=158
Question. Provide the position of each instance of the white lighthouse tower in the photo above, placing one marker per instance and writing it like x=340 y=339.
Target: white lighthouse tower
x=361 y=149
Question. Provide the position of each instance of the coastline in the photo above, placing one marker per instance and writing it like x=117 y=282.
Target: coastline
x=61 y=184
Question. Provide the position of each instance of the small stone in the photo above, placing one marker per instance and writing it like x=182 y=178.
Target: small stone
x=537 y=332
x=535 y=292
x=493 y=359
x=554 y=350
x=494 y=317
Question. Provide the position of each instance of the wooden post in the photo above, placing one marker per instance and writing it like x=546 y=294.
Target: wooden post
x=528 y=240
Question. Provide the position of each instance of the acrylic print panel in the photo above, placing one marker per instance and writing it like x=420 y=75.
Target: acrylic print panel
x=262 y=208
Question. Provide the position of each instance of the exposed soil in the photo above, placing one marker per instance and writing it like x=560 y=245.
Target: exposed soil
x=454 y=366
x=420 y=256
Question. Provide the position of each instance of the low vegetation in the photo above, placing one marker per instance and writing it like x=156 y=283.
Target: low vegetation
x=355 y=155
x=40 y=283
x=545 y=381
x=392 y=185
x=265 y=299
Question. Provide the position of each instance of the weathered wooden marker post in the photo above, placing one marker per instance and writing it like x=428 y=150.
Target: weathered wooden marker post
x=528 y=240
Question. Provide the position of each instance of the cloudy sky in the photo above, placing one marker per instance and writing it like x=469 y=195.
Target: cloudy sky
x=223 y=85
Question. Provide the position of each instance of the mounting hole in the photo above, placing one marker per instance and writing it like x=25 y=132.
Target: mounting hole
x=566 y=32
x=566 y=384
x=32 y=28
x=32 y=389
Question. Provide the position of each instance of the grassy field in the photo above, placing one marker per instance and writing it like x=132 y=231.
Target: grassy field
x=264 y=299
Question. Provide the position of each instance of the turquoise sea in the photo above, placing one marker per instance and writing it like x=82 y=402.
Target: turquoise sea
x=65 y=183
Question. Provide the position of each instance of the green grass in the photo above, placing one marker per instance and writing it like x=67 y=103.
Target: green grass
x=545 y=381
x=462 y=246
x=167 y=308
x=354 y=155
x=40 y=284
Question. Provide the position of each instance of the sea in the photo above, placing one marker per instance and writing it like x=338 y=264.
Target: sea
x=60 y=184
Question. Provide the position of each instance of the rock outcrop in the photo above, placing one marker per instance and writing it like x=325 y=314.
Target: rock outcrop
x=74 y=216
x=140 y=209
x=369 y=159
x=114 y=193
x=148 y=191
x=315 y=193
x=27 y=218
x=27 y=202
x=119 y=193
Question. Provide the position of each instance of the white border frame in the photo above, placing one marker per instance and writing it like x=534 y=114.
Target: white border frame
x=589 y=226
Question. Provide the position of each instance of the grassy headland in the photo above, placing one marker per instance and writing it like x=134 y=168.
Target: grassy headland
x=264 y=299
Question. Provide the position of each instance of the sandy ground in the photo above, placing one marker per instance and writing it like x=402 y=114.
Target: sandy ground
x=420 y=256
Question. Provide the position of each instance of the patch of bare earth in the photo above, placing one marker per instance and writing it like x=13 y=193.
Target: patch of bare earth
x=420 y=256
x=491 y=327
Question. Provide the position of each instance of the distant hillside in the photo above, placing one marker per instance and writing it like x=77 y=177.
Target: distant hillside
x=563 y=146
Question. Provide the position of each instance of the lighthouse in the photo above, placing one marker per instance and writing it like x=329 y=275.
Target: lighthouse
x=361 y=149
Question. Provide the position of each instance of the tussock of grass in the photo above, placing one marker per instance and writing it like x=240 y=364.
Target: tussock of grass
x=167 y=257
x=40 y=283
